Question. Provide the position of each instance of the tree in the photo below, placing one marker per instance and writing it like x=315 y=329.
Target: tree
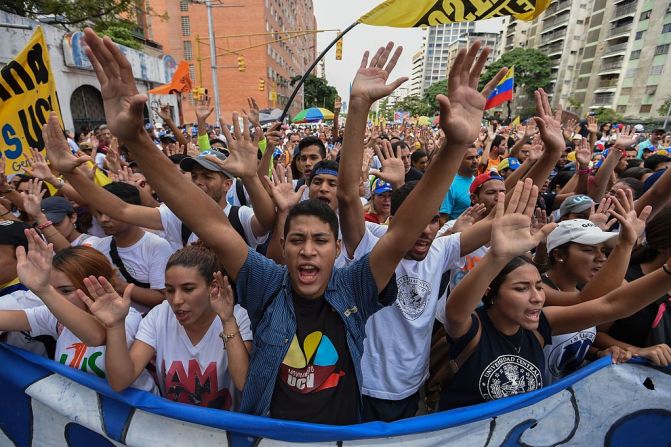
x=415 y=105
x=664 y=108
x=120 y=32
x=385 y=110
x=430 y=94
x=532 y=69
x=604 y=115
x=73 y=12
x=318 y=93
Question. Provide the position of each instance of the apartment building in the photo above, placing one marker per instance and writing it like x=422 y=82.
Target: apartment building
x=417 y=73
x=490 y=40
x=241 y=30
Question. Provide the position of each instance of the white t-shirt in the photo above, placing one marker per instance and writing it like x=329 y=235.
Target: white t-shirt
x=172 y=227
x=145 y=260
x=567 y=353
x=395 y=361
x=22 y=300
x=100 y=160
x=196 y=375
x=72 y=352
x=232 y=194
x=85 y=240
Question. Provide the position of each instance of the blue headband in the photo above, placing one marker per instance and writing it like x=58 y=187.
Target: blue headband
x=325 y=171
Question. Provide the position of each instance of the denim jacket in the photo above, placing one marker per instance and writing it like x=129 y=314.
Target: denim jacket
x=264 y=290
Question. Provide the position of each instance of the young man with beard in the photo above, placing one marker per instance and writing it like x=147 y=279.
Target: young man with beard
x=394 y=371
x=139 y=256
x=310 y=151
x=206 y=174
x=308 y=318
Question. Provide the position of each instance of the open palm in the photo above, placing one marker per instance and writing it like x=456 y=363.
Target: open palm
x=462 y=109
x=58 y=151
x=243 y=149
x=34 y=267
x=107 y=306
x=370 y=82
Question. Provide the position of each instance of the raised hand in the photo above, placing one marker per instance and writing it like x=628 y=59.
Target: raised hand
x=632 y=226
x=592 y=126
x=583 y=154
x=281 y=188
x=462 y=109
x=204 y=109
x=254 y=112
x=243 y=148
x=32 y=200
x=274 y=136
x=164 y=112
x=626 y=138
x=471 y=215
x=370 y=82
x=104 y=302
x=511 y=229
x=333 y=153
x=38 y=167
x=538 y=220
x=393 y=170
x=112 y=157
x=34 y=267
x=124 y=105
x=549 y=124
x=58 y=151
x=221 y=297
x=601 y=216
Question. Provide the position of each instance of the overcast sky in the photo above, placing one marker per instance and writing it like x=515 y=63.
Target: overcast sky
x=339 y=14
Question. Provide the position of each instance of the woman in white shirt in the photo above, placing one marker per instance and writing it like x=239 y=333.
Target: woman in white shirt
x=200 y=339
x=79 y=337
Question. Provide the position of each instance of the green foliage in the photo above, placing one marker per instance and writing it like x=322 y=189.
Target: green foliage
x=430 y=94
x=664 y=108
x=385 y=110
x=66 y=12
x=604 y=115
x=416 y=105
x=120 y=32
x=318 y=93
x=532 y=69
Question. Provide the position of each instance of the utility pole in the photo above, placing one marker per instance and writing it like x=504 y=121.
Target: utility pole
x=213 y=60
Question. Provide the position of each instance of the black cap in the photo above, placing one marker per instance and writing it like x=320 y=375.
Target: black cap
x=11 y=233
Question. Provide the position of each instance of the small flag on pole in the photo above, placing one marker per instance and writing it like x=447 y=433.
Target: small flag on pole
x=503 y=91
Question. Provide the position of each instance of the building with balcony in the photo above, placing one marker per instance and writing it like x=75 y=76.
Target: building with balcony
x=417 y=73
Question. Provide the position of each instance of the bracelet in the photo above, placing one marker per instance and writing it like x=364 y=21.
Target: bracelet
x=585 y=171
x=227 y=337
x=60 y=183
x=46 y=224
x=666 y=269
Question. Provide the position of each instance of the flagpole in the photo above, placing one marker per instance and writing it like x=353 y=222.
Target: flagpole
x=309 y=70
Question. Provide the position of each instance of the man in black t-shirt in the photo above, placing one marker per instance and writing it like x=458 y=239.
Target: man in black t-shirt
x=411 y=174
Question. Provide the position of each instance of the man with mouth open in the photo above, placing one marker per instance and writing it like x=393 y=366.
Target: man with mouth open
x=308 y=317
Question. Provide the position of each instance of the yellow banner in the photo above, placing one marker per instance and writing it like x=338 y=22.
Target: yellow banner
x=416 y=13
x=27 y=95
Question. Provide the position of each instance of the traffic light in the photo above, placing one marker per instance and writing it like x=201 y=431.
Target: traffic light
x=339 y=50
x=262 y=85
x=242 y=66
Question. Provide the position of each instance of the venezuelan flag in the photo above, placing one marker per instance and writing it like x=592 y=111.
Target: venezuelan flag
x=503 y=91
x=420 y=13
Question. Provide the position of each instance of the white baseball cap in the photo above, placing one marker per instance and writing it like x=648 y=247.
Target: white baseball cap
x=580 y=231
x=639 y=128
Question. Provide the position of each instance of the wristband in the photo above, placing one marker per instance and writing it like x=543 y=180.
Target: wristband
x=59 y=183
x=585 y=171
x=666 y=269
x=46 y=224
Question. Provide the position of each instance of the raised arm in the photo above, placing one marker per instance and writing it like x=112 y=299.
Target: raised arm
x=105 y=202
x=123 y=110
x=34 y=270
x=460 y=118
x=657 y=196
x=164 y=113
x=549 y=126
x=511 y=237
x=369 y=85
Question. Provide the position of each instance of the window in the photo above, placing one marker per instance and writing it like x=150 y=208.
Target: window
x=656 y=70
x=188 y=50
x=650 y=90
x=621 y=109
x=645 y=108
x=635 y=55
x=626 y=91
x=630 y=73
x=666 y=28
x=639 y=35
x=186 y=26
x=184 y=5
x=645 y=15
x=661 y=49
x=192 y=72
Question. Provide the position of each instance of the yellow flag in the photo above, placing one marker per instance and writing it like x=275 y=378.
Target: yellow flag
x=416 y=13
x=27 y=96
x=516 y=121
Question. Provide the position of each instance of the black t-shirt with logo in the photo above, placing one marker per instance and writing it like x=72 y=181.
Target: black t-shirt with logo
x=500 y=366
x=316 y=381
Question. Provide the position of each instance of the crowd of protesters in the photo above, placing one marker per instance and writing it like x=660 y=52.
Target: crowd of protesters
x=338 y=273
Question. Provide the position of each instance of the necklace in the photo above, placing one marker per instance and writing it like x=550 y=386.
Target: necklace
x=517 y=345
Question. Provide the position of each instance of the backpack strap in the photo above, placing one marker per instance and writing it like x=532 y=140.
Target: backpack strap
x=236 y=223
x=240 y=192
x=456 y=363
x=186 y=234
x=116 y=259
